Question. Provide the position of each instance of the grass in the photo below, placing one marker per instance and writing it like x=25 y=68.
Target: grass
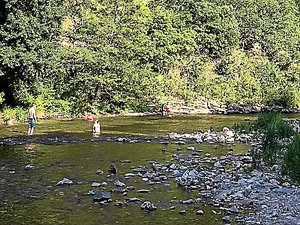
x=291 y=161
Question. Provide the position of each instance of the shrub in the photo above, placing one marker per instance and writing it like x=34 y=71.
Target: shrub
x=264 y=120
x=270 y=144
x=275 y=123
x=273 y=128
x=17 y=114
x=245 y=127
x=291 y=163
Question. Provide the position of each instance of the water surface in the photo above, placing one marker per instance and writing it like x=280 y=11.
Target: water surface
x=31 y=197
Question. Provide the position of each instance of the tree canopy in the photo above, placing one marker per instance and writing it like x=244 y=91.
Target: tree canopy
x=111 y=56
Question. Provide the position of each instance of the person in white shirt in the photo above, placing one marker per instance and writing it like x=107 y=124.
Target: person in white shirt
x=96 y=128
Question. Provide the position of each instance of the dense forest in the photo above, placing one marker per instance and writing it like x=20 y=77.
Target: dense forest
x=71 y=56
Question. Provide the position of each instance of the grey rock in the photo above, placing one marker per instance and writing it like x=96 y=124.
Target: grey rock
x=218 y=164
x=130 y=175
x=119 y=184
x=283 y=190
x=140 y=170
x=96 y=184
x=102 y=196
x=226 y=219
x=232 y=209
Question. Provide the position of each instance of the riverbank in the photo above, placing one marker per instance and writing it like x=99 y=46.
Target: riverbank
x=177 y=107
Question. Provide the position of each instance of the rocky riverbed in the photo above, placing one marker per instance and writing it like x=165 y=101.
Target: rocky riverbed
x=227 y=183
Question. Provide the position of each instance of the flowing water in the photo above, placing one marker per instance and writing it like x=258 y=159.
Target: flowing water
x=32 y=197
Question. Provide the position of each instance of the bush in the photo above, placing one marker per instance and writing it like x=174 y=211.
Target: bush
x=270 y=144
x=273 y=128
x=264 y=120
x=275 y=123
x=17 y=114
x=291 y=164
x=245 y=127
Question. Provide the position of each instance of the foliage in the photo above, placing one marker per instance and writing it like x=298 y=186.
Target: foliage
x=273 y=24
x=291 y=164
x=114 y=56
x=275 y=124
x=17 y=113
x=273 y=128
x=244 y=127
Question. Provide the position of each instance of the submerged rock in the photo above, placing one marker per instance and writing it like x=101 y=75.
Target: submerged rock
x=119 y=184
x=134 y=199
x=226 y=219
x=102 y=196
x=118 y=203
x=140 y=170
x=232 y=209
x=90 y=193
x=182 y=212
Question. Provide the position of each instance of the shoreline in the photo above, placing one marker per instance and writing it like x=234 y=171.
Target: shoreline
x=202 y=108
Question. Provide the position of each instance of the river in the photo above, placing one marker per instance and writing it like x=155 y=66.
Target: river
x=31 y=196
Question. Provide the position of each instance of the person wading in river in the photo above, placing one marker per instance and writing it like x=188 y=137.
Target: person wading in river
x=31 y=119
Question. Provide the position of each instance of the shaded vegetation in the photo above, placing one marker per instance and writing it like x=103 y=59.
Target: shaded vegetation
x=274 y=129
x=291 y=165
x=73 y=56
